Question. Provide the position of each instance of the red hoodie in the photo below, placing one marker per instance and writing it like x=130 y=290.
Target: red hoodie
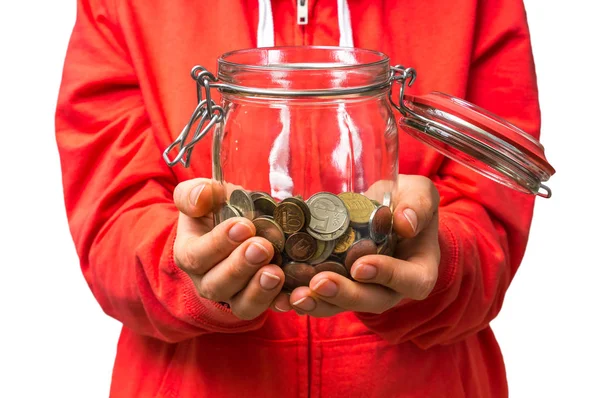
x=126 y=94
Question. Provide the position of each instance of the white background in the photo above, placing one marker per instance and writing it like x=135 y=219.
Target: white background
x=56 y=342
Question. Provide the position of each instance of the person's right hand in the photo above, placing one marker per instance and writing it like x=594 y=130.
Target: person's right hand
x=227 y=263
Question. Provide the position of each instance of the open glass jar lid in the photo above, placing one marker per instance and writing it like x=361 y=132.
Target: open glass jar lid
x=478 y=139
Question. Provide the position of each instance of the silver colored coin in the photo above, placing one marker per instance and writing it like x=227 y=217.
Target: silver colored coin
x=323 y=237
x=242 y=200
x=329 y=216
x=264 y=205
x=227 y=212
x=329 y=246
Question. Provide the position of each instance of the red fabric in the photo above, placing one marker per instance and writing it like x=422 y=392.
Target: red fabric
x=125 y=95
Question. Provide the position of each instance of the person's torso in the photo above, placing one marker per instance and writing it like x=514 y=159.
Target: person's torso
x=292 y=355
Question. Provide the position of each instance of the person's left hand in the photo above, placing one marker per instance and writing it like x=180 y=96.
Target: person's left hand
x=382 y=281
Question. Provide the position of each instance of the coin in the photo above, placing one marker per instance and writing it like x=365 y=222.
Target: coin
x=380 y=224
x=376 y=203
x=318 y=252
x=324 y=250
x=344 y=242
x=305 y=210
x=289 y=216
x=359 y=249
x=329 y=216
x=388 y=247
x=297 y=274
x=271 y=231
x=241 y=200
x=384 y=249
x=332 y=266
x=300 y=246
x=259 y=194
x=277 y=257
x=264 y=206
x=359 y=206
x=228 y=212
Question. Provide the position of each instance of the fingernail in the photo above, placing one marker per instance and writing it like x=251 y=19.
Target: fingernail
x=305 y=304
x=240 y=232
x=364 y=272
x=256 y=253
x=195 y=194
x=326 y=288
x=411 y=217
x=268 y=281
x=280 y=309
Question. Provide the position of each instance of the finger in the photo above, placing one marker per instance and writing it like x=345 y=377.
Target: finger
x=305 y=302
x=233 y=274
x=197 y=254
x=198 y=197
x=259 y=294
x=414 y=277
x=416 y=201
x=282 y=303
x=352 y=296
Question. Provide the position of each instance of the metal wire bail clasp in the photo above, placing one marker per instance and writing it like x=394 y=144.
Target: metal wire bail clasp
x=207 y=114
x=403 y=76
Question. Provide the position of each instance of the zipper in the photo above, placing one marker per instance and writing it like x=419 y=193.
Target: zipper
x=302 y=12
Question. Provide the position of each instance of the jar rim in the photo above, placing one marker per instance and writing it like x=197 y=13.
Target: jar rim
x=303 y=71
x=272 y=53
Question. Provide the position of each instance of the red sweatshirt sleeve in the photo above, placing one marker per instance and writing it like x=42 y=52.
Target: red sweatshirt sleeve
x=118 y=191
x=484 y=226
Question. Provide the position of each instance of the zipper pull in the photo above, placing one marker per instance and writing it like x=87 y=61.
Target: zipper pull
x=302 y=12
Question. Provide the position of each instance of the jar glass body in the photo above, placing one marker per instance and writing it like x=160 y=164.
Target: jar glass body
x=303 y=145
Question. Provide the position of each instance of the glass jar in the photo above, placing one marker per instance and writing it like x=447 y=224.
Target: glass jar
x=306 y=145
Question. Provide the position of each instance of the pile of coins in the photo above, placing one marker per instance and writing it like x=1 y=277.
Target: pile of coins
x=327 y=232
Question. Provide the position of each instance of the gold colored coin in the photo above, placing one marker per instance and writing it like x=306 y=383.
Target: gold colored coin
x=289 y=216
x=297 y=200
x=345 y=241
x=359 y=206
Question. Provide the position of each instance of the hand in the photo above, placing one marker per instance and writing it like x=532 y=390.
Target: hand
x=227 y=263
x=382 y=281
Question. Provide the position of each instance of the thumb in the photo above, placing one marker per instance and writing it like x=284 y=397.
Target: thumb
x=198 y=197
x=415 y=205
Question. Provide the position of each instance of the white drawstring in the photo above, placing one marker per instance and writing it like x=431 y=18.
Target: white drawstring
x=265 y=33
x=345 y=24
